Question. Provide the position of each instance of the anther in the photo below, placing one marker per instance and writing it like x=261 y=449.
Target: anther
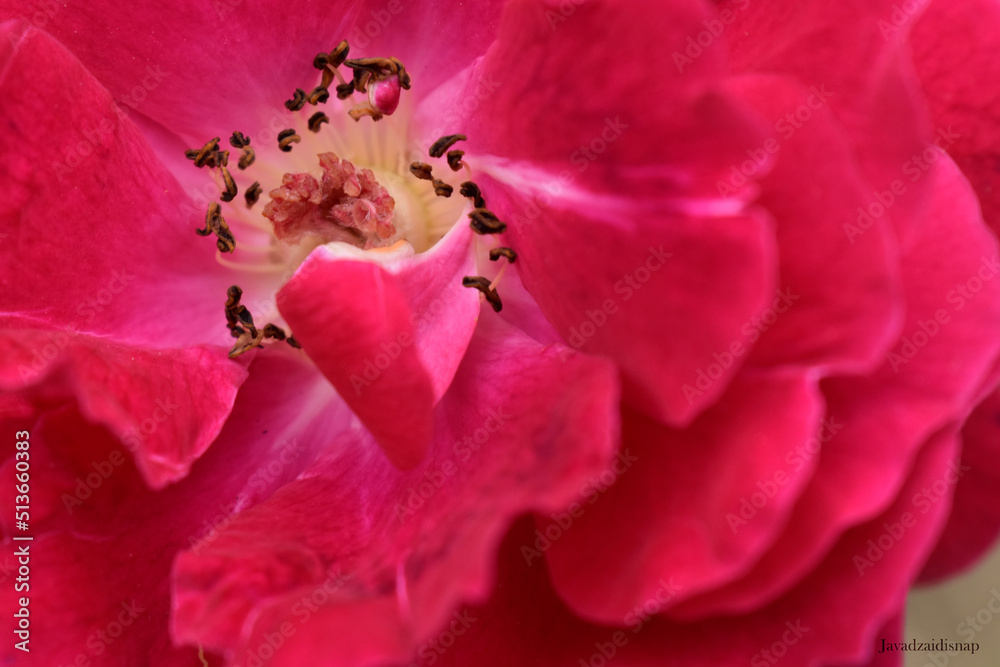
x=485 y=222
x=247 y=158
x=442 y=189
x=421 y=170
x=337 y=57
x=483 y=285
x=316 y=121
x=252 y=194
x=320 y=61
x=444 y=143
x=317 y=95
x=471 y=190
x=274 y=331
x=294 y=343
x=503 y=251
x=239 y=140
x=237 y=314
x=231 y=190
x=216 y=224
x=298 y=100
x=239 y=321
x=201 y=157
x=345 y=90
x=455 y=160
x=286 y=138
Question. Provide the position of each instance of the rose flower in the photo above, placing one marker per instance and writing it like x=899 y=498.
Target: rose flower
x=492 y=333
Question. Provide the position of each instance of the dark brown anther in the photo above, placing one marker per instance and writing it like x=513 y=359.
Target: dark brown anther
x=231 y=189
x=252 y=194
x=210 y=217
x=239 y=140
x=294 y=343
x=201 y=157
x=286 y=138
x=219 y=159
x=444 y=143
x=318 y=95
x=442 y=189
x=455 y=160
x=503 y=251
x=337 y=57
x=471 y=190
x=247 y=158
x=216 y=224
x=298 y=100
x=483 y=285
x=345 y=90
x=233 y=296
x=421 y=170
x=320 y=61
x=316 y=121
x=274 y=331
x=485 y=222
x=361 y=79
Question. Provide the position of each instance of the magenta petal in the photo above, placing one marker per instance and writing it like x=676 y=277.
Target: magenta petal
x=97 y=240
x=975 y=516
x=166 y=406
x=354 y=322
x=695 y=529
x=360 y=540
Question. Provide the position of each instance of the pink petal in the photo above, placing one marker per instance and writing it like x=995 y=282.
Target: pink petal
x=165 y=406
x=97 y=239
x=954 y=48
x=831 y=616
x=889 y=414
x=701 y=527
x=389 y=343
x=384 y=555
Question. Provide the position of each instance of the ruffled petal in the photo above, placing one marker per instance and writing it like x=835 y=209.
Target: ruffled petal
x=389 y=339
x=96 y=240
x=698 y=527
x=165 y=406
x=378 y=557
x=930 y=378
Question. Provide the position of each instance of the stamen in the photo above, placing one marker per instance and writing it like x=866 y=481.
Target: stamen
x=231 y=190
x=444 y=143
x=455 y=160
x=337 y=57
x=365 y=109
x=471 y=190
x=247 y=158
x=253 y=194
x=442 y=189
x=239 y=321
x=320 y=61
x=218 y=159
x=317 y=95
x=345 y=90
x=316 y=121
x=503 y=251
x=421 y=170
x=483 y=285
x=216 y=224
x=485 y=222
x=286 y=138
x=201 y=157
x=294 y=343
x=298 y=100
x=239 y=140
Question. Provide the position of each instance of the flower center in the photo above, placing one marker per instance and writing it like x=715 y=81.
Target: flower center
x=335 y=180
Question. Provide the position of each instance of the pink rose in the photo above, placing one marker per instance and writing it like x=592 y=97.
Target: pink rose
x=666 y=358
